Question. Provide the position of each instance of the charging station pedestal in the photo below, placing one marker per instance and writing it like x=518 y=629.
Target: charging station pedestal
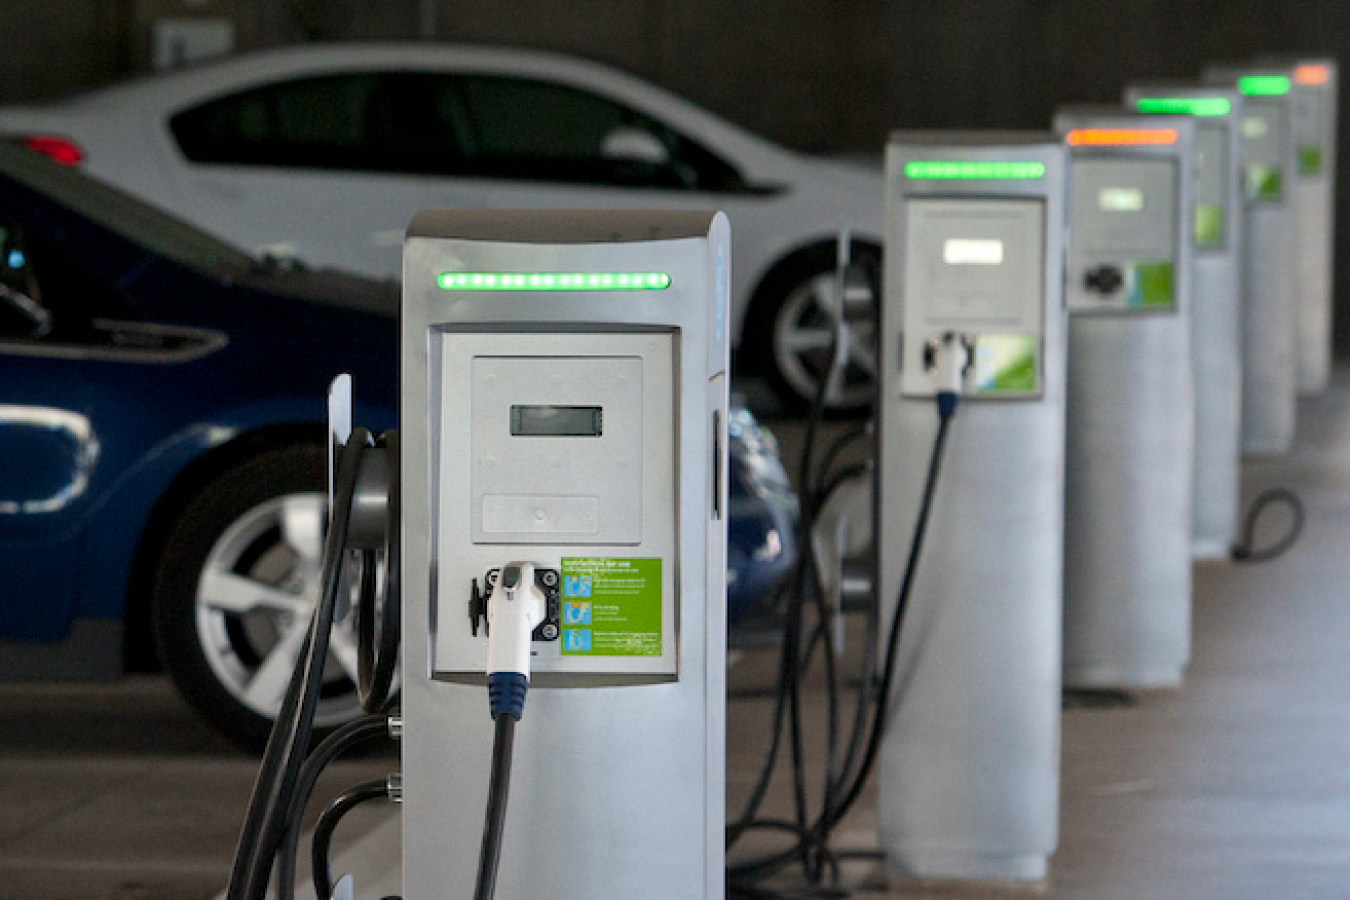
x=1216 y=302
x=1316 y=92
x=1269 y=367
x=564 y=396
x=975 y=247
x=1127 y=510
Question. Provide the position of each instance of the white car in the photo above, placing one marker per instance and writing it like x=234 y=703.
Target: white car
x=323 y=153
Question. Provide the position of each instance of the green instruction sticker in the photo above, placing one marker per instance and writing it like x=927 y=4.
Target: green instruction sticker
x=611 y=606
x=1006 y=363
x=1309 y=160
x=1152 y=286
x=1264 y=183
x=1208 y=225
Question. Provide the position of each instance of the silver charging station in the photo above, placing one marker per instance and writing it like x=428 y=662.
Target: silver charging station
x=974 y=255
x=564 y=391
x=1127 y=511
x=1269 y=367
x=1316 y=92
x=1217 y=298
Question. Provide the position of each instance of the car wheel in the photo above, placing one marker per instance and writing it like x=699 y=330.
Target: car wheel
x=806 y=307
x=234 y=590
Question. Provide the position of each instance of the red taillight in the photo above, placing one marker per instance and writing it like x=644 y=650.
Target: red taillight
x=62 y=150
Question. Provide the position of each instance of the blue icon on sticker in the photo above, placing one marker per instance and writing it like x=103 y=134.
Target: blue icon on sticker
x=577 y=586
x=577 y=613
x=578 y=640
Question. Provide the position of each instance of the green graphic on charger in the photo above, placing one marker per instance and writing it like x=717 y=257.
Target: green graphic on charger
x=1006 y=363
x=611 y=606
x=1309 y=160
x=1208 y=225
x=1264 y=183
x=1153 y=286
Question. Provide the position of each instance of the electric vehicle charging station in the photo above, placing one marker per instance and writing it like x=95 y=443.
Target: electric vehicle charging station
x=564 y=391
x=1315 y=95
x=1127 y=576
x=1216 y=301
x=973 y=308
x=1269 y=367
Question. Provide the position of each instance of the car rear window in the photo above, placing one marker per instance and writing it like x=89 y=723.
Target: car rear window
x=322 y=122
x=138 y=222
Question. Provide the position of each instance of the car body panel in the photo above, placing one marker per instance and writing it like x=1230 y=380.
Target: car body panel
x=191 y=351
x=790 y=202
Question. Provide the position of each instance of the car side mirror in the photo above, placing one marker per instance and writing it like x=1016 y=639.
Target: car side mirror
x=21 y=315
x=634 y=145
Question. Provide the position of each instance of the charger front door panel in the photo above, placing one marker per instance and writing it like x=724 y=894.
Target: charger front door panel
x=975 y=268
x=1124 y=218
x=1265 y=142
x=564 y=446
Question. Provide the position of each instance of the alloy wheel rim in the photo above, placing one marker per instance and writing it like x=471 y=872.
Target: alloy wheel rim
x=804 y=331
x=254 y=601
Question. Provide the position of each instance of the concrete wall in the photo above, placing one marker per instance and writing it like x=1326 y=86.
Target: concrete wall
x=813 y=74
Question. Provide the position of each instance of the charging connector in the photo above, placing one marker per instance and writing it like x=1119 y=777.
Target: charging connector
x=515 y=607
x=949 y=359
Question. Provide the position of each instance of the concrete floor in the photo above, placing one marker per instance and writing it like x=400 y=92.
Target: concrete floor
x=1237 y=786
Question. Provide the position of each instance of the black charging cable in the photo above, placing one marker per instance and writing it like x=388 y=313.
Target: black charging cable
x=322 y=842
x=288 y=742
x=378 y=616
x=811 y=836
x=499 y=790
x=355 y=733
x=947 y=403
x=1245 y=550
x=288 y=771
x=843 y=793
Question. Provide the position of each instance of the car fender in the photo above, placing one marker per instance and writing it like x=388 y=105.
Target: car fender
x=122 y=529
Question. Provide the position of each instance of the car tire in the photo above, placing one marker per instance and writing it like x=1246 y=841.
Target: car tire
x=792 y=330
x=233 y=592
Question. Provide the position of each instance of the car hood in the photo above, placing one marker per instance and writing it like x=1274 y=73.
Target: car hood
x=326 y=287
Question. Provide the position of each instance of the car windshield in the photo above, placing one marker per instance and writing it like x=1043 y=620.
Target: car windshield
x=138 y=222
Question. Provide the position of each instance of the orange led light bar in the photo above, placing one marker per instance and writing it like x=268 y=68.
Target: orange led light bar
x=1121 y=137
x=1312 y=74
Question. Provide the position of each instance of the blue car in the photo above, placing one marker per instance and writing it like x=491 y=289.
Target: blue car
x=162 y=405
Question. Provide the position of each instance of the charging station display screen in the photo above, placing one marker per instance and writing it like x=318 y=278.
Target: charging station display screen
x=557 y=421
x=1120 y=200
x=959 y=252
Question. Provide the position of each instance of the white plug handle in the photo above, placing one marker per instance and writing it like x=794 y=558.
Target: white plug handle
x=515 y=608
x=951 y=357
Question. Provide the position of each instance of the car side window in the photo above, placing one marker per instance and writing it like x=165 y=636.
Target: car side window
x=320 y=122
x=526 y=128
x=467 y=126
x=48 y=294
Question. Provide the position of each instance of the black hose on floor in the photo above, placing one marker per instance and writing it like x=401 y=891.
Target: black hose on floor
x=1244 y=551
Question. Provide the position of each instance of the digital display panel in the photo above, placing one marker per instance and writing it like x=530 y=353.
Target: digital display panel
x=1120 y=200
x=966 y=252
x=557 y=421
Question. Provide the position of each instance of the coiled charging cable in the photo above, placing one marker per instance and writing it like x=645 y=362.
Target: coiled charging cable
x=1245 y=550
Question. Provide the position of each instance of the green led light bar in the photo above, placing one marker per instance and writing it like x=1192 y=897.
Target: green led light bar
x=975 y=170
x=1188 y=106
x=553 y=281
x=1264 y=85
